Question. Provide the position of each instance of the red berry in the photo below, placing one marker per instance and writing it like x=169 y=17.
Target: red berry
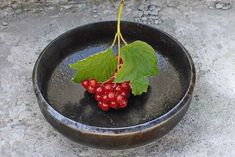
x=123 y=104
x=113 y=105
x=108 y=88
x=103 y=106
x=111 y=96
x=105 y=99
x=85 y=83
x=93 y=83
x=91 y=90
x=99 y=90
x=114 y=85
x=98 y=97
x=125 y=93
x=126 y=85
x=119 y=98
x=118 y=88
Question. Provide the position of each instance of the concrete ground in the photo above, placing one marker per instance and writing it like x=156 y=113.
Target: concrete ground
x=206 y=28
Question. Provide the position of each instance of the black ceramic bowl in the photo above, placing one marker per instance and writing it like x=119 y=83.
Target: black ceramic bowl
x=74 y=113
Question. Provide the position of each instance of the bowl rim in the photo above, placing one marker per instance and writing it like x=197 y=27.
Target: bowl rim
x=78 y=126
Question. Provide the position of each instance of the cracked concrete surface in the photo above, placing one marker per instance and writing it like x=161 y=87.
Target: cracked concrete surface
x=202 y=26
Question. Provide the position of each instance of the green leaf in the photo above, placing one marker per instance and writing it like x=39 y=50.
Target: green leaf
x=100 y=66
x=140 y=85
x=139 y=62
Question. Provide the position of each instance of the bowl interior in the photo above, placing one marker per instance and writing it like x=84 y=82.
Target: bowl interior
x=71 y=100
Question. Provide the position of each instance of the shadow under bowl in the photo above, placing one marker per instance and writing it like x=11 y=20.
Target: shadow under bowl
x=74 y=112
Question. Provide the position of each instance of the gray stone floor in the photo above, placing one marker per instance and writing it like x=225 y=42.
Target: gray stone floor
x=206 y=28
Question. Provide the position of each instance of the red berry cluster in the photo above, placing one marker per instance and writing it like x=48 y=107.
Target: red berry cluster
x=109 y=94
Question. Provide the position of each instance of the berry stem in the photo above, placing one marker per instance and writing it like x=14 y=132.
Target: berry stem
x=119 y=17
x=123 y=40
x=119 y=31
x=114 y=41
x=106 y=81
x=119 y=53
x=118 y=36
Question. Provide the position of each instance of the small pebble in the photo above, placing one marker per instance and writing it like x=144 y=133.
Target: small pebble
x=226 y=7
x=128 y=9
x=18 y=11
x=82 y=5
x=136 y=19
x=211 y=7
x=139 y=14
x=4 y=23
x=154 y=17
x=107 y=12
x=144 y=18
x=155 y=12
x=94 y=11
x=156 y=22
x=14 y=6
x=147 y=12
x=150 y=21
x=141 y=7
x=67 y=6
x=151 y=7
x=219 y=5
x=51 y=8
